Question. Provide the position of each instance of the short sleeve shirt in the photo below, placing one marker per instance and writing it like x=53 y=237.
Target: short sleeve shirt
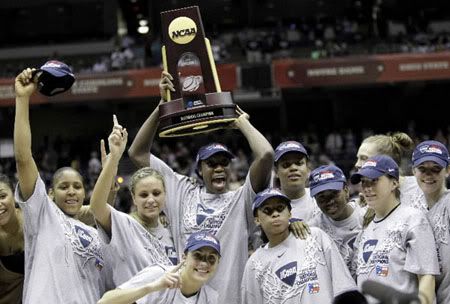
x=296 y=271
x=64 y=262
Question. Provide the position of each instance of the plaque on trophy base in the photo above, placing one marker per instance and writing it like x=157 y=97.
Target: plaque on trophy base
x=198 y=104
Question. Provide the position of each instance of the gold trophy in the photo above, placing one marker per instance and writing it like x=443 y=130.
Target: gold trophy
x=198 y=104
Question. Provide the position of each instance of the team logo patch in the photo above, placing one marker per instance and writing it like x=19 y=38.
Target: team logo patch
x=369 y=163
x=382 y=270
x=288 y=273
x=431 y=149
x=368 y=248
x=203 y=213
x=84 y=236
x=289 y=145
x=313 y=287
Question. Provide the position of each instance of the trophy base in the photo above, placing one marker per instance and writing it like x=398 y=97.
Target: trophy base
x=175 y=120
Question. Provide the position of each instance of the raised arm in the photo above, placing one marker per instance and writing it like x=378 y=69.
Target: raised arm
x=261 y=168
x=117 y=141
x=27 y=170
x=139 y=150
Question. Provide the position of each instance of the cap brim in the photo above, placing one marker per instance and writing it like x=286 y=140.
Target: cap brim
x=432 y=158
x=283 y=198
x=211 y=153
x=328 y=186
x=365 y=172
x=55 y=72
x=280 y=154
x=198 y=246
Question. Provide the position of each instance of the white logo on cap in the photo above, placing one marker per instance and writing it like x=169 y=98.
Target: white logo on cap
x=430 y=149
x=369 y=163
x=391 y=170
x=52 y=64
x=290 y=145
x=323 y=176
x=216 y=146
x=205 y=237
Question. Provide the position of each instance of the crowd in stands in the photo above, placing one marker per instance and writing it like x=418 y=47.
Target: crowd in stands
x=336 y=148
x=322 y=37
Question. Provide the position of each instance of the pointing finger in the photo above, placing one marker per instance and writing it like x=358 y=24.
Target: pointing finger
x=176 y=268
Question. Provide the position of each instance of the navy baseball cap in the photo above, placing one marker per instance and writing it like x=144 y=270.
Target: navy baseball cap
x=264 y=195
x=326 y=178
x=375 y=167
x=431 y=150
x=201 y=239
x=207 y=151
x=289 y=146
x=54 y=77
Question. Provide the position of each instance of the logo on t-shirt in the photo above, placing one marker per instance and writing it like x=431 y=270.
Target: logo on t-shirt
x=84 y=236
x=203 y=213
x=313 y=287
x=288 y=273
x=351 y=242
x=382 y=270
x=172 y=255
x=368 y=248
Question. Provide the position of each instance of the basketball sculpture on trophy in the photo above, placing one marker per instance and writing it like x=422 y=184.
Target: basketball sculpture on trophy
x=198 y=104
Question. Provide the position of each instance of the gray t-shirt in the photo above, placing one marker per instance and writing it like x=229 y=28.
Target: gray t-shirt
x=396 y=250
x=228 y=216
x=63 y=258
x=439 y=217
x=131 y=247
x=307 y=271
x=305 y=207
x=411 y=195
x=344 y=232
x=206 y=295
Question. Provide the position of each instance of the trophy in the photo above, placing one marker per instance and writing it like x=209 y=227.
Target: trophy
x=198 y=104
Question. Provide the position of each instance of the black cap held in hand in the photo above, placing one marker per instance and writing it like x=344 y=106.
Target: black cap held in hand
x=54 y=77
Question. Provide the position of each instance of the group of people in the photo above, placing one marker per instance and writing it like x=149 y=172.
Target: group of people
x=55 y=250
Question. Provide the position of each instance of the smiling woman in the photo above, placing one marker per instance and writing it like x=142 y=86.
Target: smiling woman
x=431 y=167
x=60 y=248
x=131 y=243
x=11 y=245
x=184 y=283
x=397 y=247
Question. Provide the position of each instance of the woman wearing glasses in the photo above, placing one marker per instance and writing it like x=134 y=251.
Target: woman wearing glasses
x=184 y=283
x=287 y=269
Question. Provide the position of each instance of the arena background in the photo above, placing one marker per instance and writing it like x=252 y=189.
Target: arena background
x=326 y=73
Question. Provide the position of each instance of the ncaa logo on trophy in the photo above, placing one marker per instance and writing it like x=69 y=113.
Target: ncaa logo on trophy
x=198 y=104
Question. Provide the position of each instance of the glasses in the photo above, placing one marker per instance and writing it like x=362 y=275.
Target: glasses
x=270 y=210
x=212 y=163
x=211 y=259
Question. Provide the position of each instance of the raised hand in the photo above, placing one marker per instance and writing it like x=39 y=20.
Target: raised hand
x=25 y=85
x=165 y=84
x=117 y=140
x=242 y=117
x=170 y=279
